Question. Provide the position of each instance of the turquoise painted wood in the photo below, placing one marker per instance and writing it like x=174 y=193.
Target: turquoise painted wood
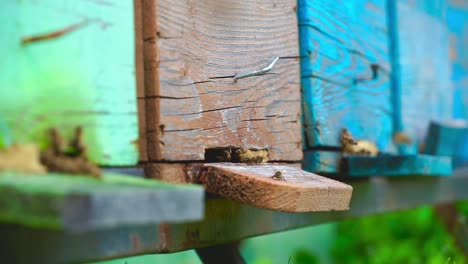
x=426 y=87
x=84 y=78
x=396 y=165
x=337 y=41
x=457 y=21
x=336 y=165
x=448 y=139
x=340 y=42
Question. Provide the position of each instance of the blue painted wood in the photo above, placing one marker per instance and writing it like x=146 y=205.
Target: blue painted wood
x=457 y=22
x=448 y=139
x=426 y=88
x=396 y=165
x=336 y=165
x=394 y=51
x=338 y=43
x=321 y=162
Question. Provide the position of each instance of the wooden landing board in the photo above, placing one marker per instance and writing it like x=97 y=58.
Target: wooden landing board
x=85 y=77
x=426 y=86
x=192 y=50
x=339 y=43
x=77 y=204
x=448 y=139
x=337 y=166
x=252 y=184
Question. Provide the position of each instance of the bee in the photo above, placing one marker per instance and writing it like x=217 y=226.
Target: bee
x=357 y=147
x=278 y=176
x=401 y=138
x=250 y=156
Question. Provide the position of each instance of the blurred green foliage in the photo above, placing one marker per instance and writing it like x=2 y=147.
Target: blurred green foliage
x=414 y=236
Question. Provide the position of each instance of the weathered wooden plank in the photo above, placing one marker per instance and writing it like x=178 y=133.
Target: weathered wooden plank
x=140 y=80
x=426 y=88
x=78 y=204
x=85 y=77
x=373 y=195
x=275 y=187
x=340 y=46
x=336 y=165
x=192 y=50
x=457 y=22
x=448 y=139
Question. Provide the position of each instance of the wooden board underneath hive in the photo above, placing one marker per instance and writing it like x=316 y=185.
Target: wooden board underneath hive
x=191 y=50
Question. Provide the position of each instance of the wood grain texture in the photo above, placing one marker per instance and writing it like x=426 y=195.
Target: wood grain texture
x=339 y=43
x=170 y=172
x=182 y=172
x=426 y=87
x=335 y=165
x=189 y=47
x=140 y=80
x=252 y=184
x=85 y=77
x=74 y=203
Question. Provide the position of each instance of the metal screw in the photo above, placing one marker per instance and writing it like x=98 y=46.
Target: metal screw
x=257 y=72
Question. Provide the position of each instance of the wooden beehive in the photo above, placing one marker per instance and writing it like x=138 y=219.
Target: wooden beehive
x=359 y=73
x=190 y=106
x=191 y=51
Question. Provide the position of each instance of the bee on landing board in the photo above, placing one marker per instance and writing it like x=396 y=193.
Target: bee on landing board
x=357 y=147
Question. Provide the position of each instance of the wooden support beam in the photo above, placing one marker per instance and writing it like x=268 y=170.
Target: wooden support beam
x=451 y=219
x=226 y=253
x=224 y=221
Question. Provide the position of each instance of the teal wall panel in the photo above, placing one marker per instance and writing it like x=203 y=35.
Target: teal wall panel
x=426 y=87
x=84 y=78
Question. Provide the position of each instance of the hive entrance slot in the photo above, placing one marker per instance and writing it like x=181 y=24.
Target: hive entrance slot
x=236 y=155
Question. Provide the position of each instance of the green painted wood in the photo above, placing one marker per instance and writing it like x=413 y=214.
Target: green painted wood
x=85 y=77
x=224 y=221
x=77 y=204
x=335 y=165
